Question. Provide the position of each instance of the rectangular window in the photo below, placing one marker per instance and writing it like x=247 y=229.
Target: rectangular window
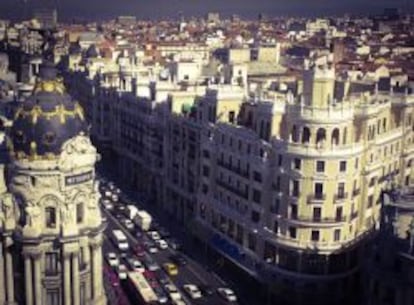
x=252 y=242
x=275 y=207
x=276 y=227
x=296 y=163
x=315 y=235
x=206 y=154
x=257 y=196
x=339 y=213
x=320 y=166
x=317 y=213
x=293 y=211
x=342 y=166
x=319 y=190
x=292 y=232
x=280 y=160
x=277 y=184
x=50 y=217
x=232 y=117
x=341 y=190
x=337 y=234
x=255 y=216
x=257 y=176
x=356 y=163
x=206 y=171
x=295 y=188
x=51 y=263
x=79 y=212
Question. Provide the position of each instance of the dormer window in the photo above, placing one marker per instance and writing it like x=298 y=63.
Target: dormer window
x=49 y=138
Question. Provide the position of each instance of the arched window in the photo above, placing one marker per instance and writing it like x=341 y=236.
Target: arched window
x=320 y=135
x=50 y=217
x=79 y=212
x=306 y=135
x=384 y=125
x=294 y=134
x=335 y=137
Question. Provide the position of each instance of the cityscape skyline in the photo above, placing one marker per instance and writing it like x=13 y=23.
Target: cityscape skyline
x=191 y=153
x=96 y=10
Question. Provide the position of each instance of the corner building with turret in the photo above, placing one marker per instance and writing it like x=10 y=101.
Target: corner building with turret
x=50 y=222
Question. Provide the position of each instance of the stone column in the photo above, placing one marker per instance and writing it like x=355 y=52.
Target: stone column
x=38 y=278
x=28 y=279
x=2 y=273
x=88 y=284
x=66 y=279
x=97 y=288
x=75 y=278
x=9 y=274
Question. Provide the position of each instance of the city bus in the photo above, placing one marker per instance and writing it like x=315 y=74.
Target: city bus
x=120 y=240
x=139 y=290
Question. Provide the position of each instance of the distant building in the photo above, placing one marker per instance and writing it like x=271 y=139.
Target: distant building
x=390 y=263
x=127 y=20
x=213 y=17
x=46 y=17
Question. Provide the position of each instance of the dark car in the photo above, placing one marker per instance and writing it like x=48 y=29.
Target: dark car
x=164 y=232
x=179 y=259
x=162 y=277
x=155 y=226
x=206 y=289
x=174 y=244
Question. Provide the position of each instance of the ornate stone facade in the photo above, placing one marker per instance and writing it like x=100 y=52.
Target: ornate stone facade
x=50 y=222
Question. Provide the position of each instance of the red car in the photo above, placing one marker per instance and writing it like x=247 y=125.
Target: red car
x=139 y=250
x=151 y=278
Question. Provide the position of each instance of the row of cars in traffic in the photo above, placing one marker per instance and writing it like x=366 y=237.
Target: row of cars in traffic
x=150 y=238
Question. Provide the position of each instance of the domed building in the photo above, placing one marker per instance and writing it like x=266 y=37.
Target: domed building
x=50 y=223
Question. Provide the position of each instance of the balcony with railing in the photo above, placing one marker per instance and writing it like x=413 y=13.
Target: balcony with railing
x=316 y=198
x=237 y=170
x=340 y=197
x=232 y=189
x=312 y=221
x=356 y=192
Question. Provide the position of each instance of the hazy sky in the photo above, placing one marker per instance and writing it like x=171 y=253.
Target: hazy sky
x=161 y=8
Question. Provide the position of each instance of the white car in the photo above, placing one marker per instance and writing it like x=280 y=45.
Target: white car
x=172 y=292
x=115 y=197
x=154 y=235
x=112 y=259
x=192 y=291
x=122 y=272
x=135 y=264
x=128 y=224
x=108 y=205
x=162 y=244
x=227 y=294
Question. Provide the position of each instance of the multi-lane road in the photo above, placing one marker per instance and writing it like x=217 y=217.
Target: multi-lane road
x=192 y=273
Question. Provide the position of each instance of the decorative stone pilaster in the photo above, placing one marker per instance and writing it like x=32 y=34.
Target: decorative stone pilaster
x=2 y=273
x=66 y=279
x=28 y=267
x=75 y=278
x=37 y=257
